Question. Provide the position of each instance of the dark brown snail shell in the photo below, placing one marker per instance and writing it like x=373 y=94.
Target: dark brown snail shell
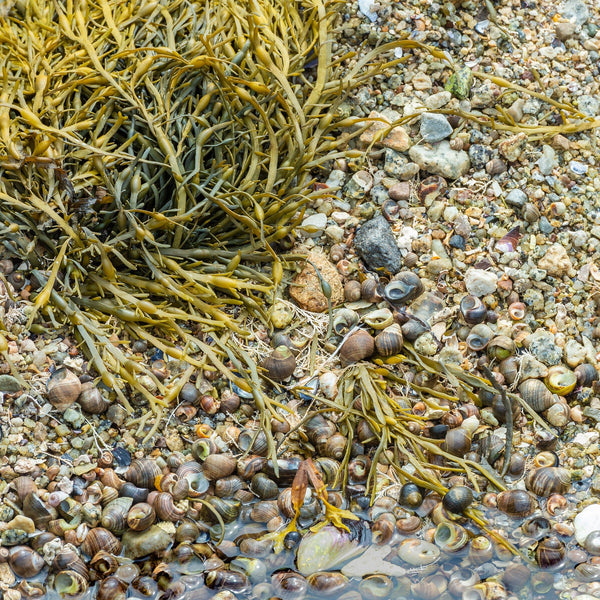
x=91 y=400
x=166 y=509
x=410 y=496
x=228 y=486
x=263 y=511
x=457 y=442
x=217 y=466
x=224 y=579
x=189 y=393
x=111 y=588
x=68 y=559
x=104 y=563
x=404 y=288
x=98 y=539
x=371 y=290
x=516 y=503
x=130 y=490
x=327 y=583
x=586 y=374
x=264 y=487
x=25 y=562
x=352 y=291
x=114 y=515
x=280 y=364
x=550 y=552
x=319 y=429
x=289 y=585
x=143 y=473
x=457 y=499
x=63 y=388
x=548 y=480
x=536 y=394
x=335 y=446
x=140 y=516
x=358 y=346
x=389 y=341
x=473 y=310
x=358 y=469
x=412 y=329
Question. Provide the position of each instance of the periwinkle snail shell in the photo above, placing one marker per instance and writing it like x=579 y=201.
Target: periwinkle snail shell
x=327 y=583
x=389 y=341
x=418 y=552
x=371 y=290
x=375 y=587
x=592 y=543
x=280 y=364
x=357 y=347
x=479 y=337
x=550 y=552
x=516 y=503
x=289 y=585
x=457 y=442
x=560 y=380
x=140 y=516
x=70 y=584
x=143 y=473
x=410 y=496
x=379 y=319
x=586 y=374
x=404 y=288
x=25 y=562
x=450 y=537
x=63 y=388
x=457 y=499
x=473 y=310
x=344 y=319
x=548 y=480
x=501 y=347
x=91 y=400
x=98 y=539
x=217 y=466
x=536 y=394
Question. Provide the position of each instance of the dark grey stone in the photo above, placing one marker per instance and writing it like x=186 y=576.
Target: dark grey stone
x=479 y=155
x=457 y=241
x=376 y=245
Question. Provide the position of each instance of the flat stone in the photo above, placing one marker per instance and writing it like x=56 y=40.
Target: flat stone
x=575 y=11
x=564 y=30
x=532 y=368
x=548 y=161
x=556 y=261
x=434 y=127
x=438 y=100
x=516 y=198
x=400 y=191
x=480 y=283
x=313 y=225
x=306 y=285
x=440 y=159
x=512 y=147
x=479 y=155
x=397 y=138
x=376 y=245
x=421 y=82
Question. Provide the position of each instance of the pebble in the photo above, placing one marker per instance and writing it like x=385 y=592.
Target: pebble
x=556 y=261
x=306 y=285
x=515 y=110
x=397 y=138
x=548 y=161
x=421 y=82
x=541 y=344
x=426 y=344
x=586 y=521
x=479 y=155
x=376 y=245
x=336 y=179
x=512 y=147
x=9 y=384
x=532 y=368
x=564 y=30
x=479 y=282
x=440 y=159
x=400 y=191
x=313 y=225
x=575 y=11
x=575 y=353
x=359 y=184
x=516 y=198
x=438 y=100
x=434 y=127
x=368 y=8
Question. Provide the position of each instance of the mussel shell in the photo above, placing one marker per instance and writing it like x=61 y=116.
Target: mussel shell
x=548 y=480
x=473 y=310
x=516 y=503
x=536 y=394
x=130 y=490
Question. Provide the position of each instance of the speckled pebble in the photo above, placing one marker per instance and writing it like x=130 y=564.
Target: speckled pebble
x=440 y=159
x=541 y=344
x=480 y=283
x=512 y=147
x=556 y=261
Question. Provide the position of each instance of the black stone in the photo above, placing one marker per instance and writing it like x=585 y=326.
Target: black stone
x=457 y=241
x=479 y=155
x=376 y=245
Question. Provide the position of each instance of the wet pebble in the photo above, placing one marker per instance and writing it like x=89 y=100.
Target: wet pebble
x=376 y=245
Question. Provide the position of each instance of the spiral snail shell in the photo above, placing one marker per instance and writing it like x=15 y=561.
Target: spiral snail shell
x=545 y=481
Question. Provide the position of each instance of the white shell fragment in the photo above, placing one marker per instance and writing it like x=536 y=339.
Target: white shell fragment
x=586 y=521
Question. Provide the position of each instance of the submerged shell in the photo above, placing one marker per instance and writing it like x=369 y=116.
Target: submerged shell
x=418 y=552
x=329 y=548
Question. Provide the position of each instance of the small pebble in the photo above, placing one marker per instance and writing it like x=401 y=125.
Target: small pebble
x=434 y=127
